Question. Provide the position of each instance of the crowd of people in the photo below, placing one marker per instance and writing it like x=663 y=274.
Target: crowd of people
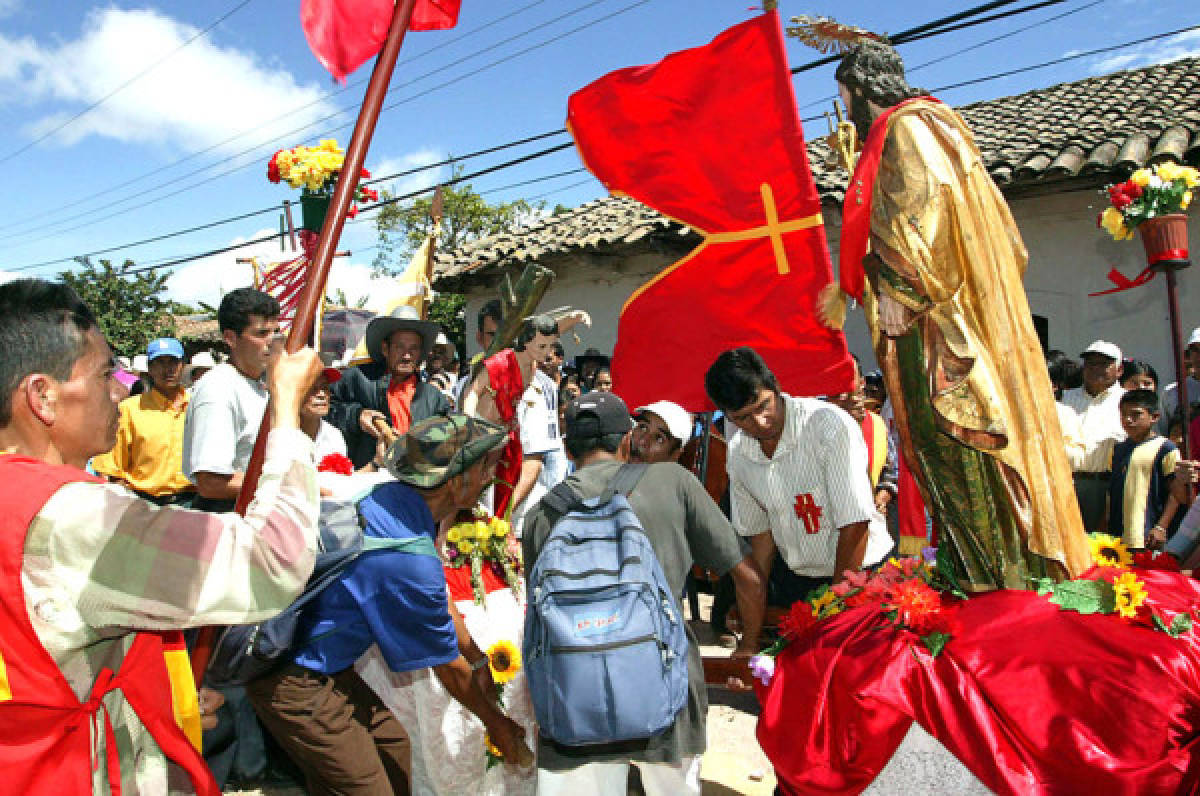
x=118 y=562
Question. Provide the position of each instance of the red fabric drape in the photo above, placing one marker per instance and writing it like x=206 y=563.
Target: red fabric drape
x=345 y=33
x=710 y=137
x=504 y=375
x=1032 y=699
x=46 y=747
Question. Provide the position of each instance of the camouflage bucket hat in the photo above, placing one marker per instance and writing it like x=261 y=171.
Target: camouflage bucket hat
x=439 y=448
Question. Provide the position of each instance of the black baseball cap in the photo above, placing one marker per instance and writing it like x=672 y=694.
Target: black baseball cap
x=596 y=414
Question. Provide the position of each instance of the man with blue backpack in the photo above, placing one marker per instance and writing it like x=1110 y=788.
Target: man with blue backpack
x=614 y=671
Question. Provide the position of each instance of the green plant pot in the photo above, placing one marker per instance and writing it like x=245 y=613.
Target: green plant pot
x=313 y=209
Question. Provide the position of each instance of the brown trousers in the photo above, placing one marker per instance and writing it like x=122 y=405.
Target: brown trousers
x=336 y=730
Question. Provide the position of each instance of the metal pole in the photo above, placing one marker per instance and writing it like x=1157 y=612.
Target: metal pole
x=1181 y=389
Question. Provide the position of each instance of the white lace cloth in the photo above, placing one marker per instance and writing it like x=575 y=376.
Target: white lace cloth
x=448 y=754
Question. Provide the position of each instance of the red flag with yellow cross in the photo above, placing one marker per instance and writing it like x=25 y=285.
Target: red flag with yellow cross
x=710 y=137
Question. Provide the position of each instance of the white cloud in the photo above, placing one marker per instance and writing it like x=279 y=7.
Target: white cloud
x=209 y=278
x=412 y=182
x=1185 y=45
x=8 y=276
x=198 y=97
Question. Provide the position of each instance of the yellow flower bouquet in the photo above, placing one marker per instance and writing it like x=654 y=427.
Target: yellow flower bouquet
x=315 y=170
x=484 y=541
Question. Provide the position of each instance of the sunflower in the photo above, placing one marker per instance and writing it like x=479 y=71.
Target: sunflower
x=1130 y=593
x=505 y=661
x=825 y=604
x=492 y=749
x=1109 y=551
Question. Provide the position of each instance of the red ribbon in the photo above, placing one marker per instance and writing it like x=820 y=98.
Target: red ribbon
x=1168 y=254
x=1118 y=279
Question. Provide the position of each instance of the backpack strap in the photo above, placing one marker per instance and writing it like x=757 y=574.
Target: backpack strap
x=627 y=478
x=563 y=498
x=417 y=545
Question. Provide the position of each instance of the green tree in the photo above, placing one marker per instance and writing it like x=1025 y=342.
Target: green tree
x=131 y=307
x=466 y=216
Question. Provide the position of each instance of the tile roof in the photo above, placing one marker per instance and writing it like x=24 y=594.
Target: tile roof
x=1069 y=136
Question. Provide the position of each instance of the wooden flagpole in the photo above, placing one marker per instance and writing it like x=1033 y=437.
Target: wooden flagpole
x=435 y=228
x=314 y=289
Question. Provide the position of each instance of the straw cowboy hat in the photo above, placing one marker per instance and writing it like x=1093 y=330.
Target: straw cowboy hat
x=405 y=318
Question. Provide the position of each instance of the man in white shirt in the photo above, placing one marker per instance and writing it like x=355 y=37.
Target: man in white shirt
x=543 y=461
x=1097 y=405
x=797 y=477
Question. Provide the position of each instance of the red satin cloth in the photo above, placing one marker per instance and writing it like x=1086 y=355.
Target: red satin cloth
x=697 y=136
x=504 y=376
x=345 y=33
x=1032 y=699
x=458 y=581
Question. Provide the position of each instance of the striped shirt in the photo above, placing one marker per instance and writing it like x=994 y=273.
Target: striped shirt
x=101 y=563
x=814 y=484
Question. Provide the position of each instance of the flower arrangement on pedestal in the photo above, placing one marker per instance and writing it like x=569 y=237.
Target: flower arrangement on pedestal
x=1154 y=201
x=907 y=591
x=315 y=170
x=484 y=541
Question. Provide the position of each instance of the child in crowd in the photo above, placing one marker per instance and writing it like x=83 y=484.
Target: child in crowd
x=1141 y=508
x=1138 y=375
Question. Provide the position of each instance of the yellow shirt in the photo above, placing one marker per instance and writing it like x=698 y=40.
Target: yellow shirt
x=149 y=451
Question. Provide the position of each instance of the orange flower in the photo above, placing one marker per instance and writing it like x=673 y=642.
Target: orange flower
x=918 y=607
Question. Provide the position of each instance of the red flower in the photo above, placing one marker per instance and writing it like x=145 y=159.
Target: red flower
x=797 y=620
x=273 y=168
x=365 y=175
x=336 y=463
x=1132 y=189
x=352 y=212
x=1119 y=198
x=1156 y=560
x=918 y=607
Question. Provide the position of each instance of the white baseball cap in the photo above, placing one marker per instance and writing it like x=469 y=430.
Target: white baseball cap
x=677 y=419
x=203 y=359
x=140 y=364
x=1103 y=348
x=1194 y=339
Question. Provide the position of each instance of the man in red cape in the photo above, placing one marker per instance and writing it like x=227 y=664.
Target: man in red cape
x=710 y=137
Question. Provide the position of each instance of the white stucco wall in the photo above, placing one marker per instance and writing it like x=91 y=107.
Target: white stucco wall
x=1069 y=257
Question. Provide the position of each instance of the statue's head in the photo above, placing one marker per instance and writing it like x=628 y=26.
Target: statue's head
x=873 y=71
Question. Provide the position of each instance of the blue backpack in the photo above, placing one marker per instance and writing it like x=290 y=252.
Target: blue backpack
x=605 y=647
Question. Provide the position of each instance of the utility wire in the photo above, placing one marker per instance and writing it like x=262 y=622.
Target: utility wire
x=126 y=84
x=567 y=145
x=196 y=184
x=976 y=46
x=370 y=208
x=266 y=144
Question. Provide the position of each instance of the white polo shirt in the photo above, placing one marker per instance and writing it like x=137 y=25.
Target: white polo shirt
x=815 y=483
x=1100 y=421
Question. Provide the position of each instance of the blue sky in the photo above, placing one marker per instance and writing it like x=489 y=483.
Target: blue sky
x=179 y=135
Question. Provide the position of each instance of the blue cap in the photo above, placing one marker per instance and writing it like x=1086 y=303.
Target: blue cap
x=164 y=347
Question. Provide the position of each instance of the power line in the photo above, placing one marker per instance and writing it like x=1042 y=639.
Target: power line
x=370 y=208
x=268 y=143
x=976 y=46
x=567 y=145
x=220 y=175
x=275 y=208
x=126 y=84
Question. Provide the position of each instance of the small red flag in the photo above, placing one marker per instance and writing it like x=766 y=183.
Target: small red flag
x=345 y=33
x=710 y=137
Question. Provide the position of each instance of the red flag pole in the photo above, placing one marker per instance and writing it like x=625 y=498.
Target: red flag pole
x=314 y=289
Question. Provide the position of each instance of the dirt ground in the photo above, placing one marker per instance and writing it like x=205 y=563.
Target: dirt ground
x=733 y=764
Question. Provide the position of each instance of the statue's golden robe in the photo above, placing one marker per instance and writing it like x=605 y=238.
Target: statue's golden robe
x=945 y=248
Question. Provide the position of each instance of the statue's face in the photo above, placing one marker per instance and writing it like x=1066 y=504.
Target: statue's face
x=859 y=109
